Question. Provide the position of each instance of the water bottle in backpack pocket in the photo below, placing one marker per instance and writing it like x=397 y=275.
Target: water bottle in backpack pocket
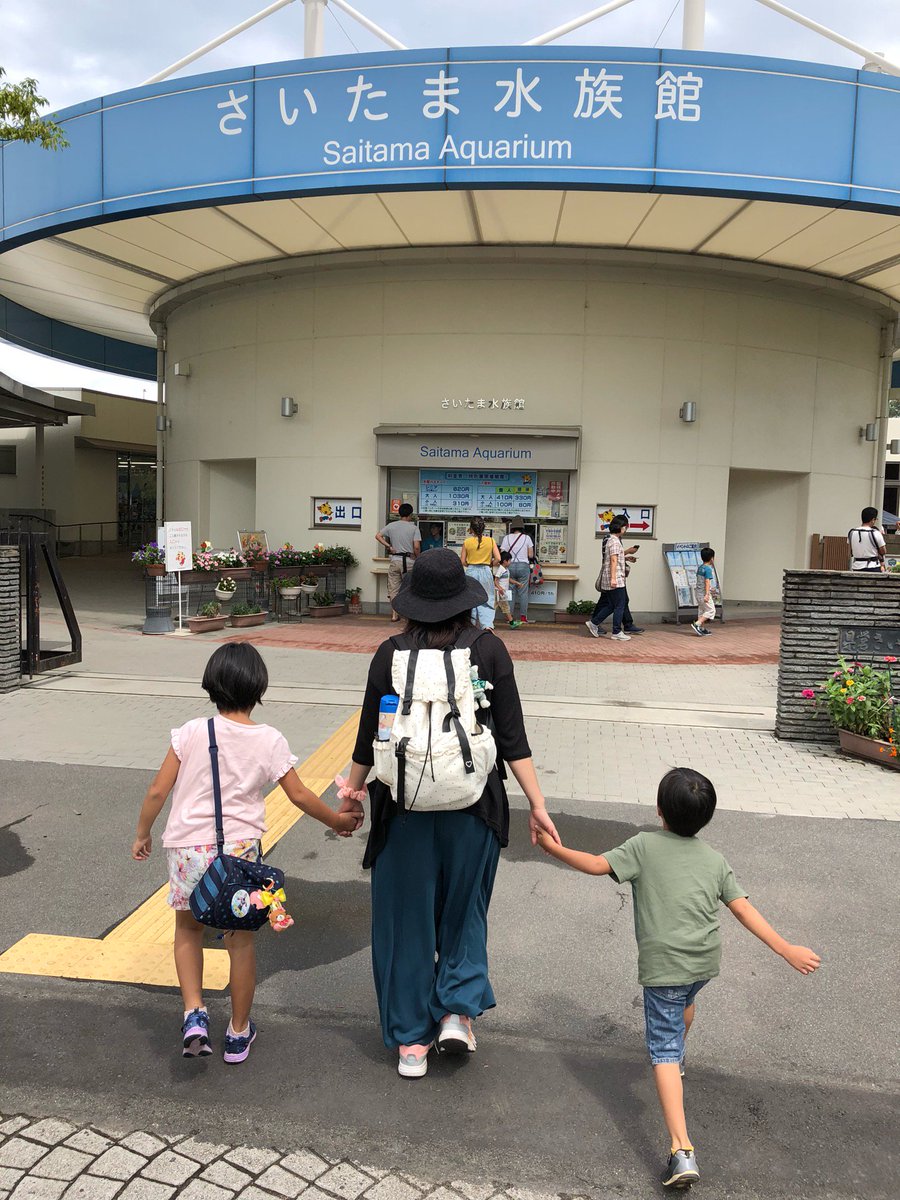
x=437 y=756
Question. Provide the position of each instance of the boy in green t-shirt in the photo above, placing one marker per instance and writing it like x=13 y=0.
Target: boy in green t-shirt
x=677 y=883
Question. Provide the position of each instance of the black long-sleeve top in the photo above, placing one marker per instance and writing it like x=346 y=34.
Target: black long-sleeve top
x=508 y=725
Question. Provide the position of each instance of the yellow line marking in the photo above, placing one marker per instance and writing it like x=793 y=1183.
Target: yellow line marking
x=139 y=948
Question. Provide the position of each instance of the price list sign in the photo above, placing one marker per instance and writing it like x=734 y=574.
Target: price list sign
x=488 y=494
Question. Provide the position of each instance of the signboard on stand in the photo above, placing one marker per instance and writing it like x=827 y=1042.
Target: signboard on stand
x=683 y=560
x=641 y=519
x=179 y=554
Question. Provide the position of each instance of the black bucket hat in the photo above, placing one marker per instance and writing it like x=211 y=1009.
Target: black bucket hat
x=437 y=588
x=516 y=523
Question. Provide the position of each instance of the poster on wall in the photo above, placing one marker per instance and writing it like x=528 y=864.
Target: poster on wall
x=179 y=550
x=543 y=593
x=342 y=512
x=253 y=542
x=457 y=532
x=641 y=518
x=488 y=494
x=552 y=543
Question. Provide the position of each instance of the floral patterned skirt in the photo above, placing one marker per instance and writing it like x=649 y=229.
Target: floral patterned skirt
x=188 y=864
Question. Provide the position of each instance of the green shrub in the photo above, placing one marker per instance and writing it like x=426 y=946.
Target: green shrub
x=582 y=608
x=322 y=599
x=245 y=610
x=208 y=610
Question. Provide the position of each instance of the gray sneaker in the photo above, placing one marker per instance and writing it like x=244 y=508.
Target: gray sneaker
x=456 y=1035
x=595 y=630
x=681 y=1170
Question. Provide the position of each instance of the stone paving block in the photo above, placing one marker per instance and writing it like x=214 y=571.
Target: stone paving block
x=344 y=1181
x=254 y=1193
x=375 y=1172
x=9 y=1177
x=118 y=1163
x=31 y=1188
x=305 y=1164
x=199 y=1189
x=88 y=1142
x=472 y=1191
x=13 y=1124
x=253 y=1158
x=62 y=1163
x=226 y=1176
x=143 y=1143
x=276 y=1179
x=144 y=1189
x=170 y=1167
x=391 y=1188
x=201 y=1152
x=92 y=1187
x=50 y=1132
x=19 y=1153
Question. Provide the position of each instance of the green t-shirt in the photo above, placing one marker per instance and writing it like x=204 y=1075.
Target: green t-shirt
x=677 y=884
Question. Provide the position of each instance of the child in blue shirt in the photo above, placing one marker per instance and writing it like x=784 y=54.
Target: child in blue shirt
x=706 y=604
x=678 y=883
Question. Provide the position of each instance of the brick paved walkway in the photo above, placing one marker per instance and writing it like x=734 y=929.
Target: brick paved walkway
x=50 y=1159
x=745 y=641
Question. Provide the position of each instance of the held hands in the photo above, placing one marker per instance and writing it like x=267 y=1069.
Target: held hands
x=540 y=826
x=141 y=847
x=350 y=812
x=346 y=822
x=802 y=959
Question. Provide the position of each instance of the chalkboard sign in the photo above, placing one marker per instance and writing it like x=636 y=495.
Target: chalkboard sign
x=881 y=641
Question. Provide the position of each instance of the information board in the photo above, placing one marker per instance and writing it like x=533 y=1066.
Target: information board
x=544 y=593
x=683 y=560
x=552 y=541
x=179 y=550
x=486 y=494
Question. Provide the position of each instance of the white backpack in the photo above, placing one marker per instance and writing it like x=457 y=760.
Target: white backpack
x=438 y=756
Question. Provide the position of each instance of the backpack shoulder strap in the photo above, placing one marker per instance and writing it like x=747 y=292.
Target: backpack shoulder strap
x=453 y=716
x=217 y=787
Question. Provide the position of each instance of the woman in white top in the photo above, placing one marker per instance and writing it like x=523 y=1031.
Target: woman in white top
x=521 y=550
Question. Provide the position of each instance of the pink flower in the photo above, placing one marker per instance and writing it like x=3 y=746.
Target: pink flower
x=850 y=699
x=808 y=694
x=890 y=658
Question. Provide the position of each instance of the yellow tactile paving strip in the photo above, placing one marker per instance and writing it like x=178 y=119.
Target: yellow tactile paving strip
x=139 y=948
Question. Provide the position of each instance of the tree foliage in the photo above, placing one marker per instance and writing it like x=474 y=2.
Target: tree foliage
x=894 y=410
x=20 y=119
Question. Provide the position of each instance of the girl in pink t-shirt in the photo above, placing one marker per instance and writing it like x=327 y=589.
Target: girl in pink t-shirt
x=251 y=757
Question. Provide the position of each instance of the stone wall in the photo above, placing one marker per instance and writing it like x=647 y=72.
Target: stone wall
x=821 y=608
x=10 y=634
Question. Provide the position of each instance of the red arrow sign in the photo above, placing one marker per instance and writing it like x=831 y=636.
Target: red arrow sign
x=638 y=525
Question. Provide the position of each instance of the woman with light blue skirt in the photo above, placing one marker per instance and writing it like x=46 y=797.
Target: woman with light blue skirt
x=479 y=557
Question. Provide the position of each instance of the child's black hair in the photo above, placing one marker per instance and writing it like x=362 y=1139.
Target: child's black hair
x=505 y=556
x=235 y=677
x=686 y=800
x=707 y=554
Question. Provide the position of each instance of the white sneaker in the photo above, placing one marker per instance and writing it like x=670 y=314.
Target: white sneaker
x=456 y=1036
x=621 y=637
x=592 y=629
x=413 y=1061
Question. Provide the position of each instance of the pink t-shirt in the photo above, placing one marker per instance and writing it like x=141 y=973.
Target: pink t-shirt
x=250 y=757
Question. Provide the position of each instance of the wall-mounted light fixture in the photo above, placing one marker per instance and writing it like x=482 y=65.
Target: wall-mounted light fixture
x=289 y=406
x=163 y=424
x=182 y=369
x=894 y=446
x=869 y=432
x=688 y=411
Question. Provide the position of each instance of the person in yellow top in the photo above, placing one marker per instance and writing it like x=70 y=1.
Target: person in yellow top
x=479 y=555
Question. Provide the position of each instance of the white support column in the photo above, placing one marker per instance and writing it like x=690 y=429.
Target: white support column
x=562 y=30
x=892 y=68
x=314 y=28
x=219 y=41
x=694 y=27
x=361 y=19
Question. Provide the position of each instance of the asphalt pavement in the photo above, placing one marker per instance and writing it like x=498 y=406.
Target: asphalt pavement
x=792 y=1082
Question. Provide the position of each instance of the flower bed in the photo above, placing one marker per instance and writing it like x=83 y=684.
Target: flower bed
x=860 y=702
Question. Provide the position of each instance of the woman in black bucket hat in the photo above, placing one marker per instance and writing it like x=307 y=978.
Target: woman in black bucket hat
x=433 y=871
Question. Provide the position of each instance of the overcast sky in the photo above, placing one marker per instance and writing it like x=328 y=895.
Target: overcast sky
x=79 y=49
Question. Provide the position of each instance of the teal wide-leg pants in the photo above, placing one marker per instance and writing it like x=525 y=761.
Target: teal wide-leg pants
x=431 y=887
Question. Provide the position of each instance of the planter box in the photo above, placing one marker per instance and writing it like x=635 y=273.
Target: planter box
x=235 y=572
x=564 y=618
x=309 y=588
x=290 y=593
x=225 y=597
x=205 y=624
x=248 y=619
x=326 y=610
x=156 y=569
x=871 y=749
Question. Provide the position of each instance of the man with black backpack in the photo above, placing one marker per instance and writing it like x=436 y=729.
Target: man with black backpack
x=866 y=543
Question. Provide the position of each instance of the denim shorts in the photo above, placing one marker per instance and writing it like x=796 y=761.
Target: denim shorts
x=664 y=1020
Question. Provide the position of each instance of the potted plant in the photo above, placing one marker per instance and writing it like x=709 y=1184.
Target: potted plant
x=225 y=588
x=309 y=584
x=244 y=615
x=860 y=703
x=354 y=598
x=577 y=612
x=324 y=604
x=207 y=619
x=289 y=587
x=151 y=557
